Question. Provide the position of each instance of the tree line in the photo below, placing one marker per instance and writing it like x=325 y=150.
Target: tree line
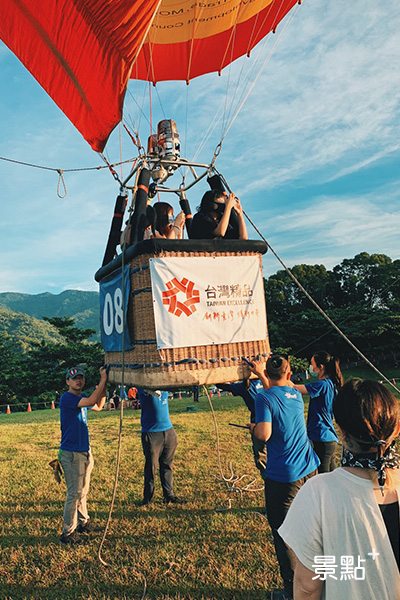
x=361 y=295
x=36 y=374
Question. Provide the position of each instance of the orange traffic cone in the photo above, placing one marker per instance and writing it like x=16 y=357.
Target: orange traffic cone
x=8 y=409
x=219 y=394
x=29 y=409
x=180 y=396
x=52 y=404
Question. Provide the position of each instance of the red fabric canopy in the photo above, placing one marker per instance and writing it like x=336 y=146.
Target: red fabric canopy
x=83 y=52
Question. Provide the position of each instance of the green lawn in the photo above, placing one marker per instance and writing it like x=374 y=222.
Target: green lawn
x=201 y=551
x=365 y=372
x=192 y=552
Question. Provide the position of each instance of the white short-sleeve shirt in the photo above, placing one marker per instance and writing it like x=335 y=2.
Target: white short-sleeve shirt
x=336 y=529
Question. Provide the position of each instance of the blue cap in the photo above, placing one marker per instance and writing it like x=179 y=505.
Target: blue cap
x=74 y=372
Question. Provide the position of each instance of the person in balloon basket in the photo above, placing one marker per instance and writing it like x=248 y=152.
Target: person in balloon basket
x=159 y=442
x=219 y=215
x=75 y=455
x=291 y=459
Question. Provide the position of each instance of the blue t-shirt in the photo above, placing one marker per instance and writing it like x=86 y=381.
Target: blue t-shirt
x=155 y=413
x=248 y=395
x=74 y=429
x=289 y=453
x=320 y=411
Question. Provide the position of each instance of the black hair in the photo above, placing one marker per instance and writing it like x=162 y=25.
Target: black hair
x=162 y=210
x=207 y=203
x=366 y=411
x=151 y=218
x=277 y=366
x=331 y=367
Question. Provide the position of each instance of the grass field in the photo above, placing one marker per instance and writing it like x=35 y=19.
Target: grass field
x=200 y=551
x=189 y=552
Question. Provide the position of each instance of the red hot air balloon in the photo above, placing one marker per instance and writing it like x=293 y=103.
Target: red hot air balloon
x=83 y=52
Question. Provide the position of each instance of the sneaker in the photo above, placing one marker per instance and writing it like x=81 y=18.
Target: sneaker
x=174 y=500
x=72 y=539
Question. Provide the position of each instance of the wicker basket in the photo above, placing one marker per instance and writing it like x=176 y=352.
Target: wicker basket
x=145 y=365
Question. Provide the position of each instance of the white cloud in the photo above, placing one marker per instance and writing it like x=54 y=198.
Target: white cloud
x=332 y=229
x=325 y=108
x=330 y=101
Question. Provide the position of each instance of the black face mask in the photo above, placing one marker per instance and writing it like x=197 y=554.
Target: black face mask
x=219 y=208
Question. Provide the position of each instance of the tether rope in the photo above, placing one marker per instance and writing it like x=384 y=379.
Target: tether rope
x=317 y=306
x=99 y=552
x=344 y=321
x=27 y=164
x=231 y=482
x=61 y=180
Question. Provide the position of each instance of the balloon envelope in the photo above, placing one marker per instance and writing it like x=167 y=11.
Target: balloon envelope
x=83 y=52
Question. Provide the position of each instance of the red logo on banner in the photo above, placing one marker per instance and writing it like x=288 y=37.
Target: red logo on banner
x=170 y=298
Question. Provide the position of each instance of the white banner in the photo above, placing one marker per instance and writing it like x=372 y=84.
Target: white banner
x=204 y=300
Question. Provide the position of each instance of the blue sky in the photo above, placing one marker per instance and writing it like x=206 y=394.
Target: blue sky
x=314 y=153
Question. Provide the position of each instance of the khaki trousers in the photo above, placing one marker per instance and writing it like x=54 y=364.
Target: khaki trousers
x=77 y=467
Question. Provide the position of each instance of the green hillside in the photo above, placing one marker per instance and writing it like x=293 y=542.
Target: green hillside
x=83 y=307
x=24 y=329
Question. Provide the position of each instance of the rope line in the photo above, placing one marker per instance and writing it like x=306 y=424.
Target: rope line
x=118 y=462
x=231 y=482
x=268 y=57
x=317 y=306
x=344 y=321
x=61 y=171
x=61 y=182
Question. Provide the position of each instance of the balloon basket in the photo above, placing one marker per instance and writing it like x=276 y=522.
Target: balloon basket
x=147 y=366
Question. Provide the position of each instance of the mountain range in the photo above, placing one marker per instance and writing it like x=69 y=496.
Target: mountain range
x=21 y=315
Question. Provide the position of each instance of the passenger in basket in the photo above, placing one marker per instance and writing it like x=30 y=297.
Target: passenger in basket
x=159 y=442
x=213 y=219
x=162 y=223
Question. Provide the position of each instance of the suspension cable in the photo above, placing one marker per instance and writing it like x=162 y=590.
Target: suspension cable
x=344 y=321
x=317 y=306
x=268 y=57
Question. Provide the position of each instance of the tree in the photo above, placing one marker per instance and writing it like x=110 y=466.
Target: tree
x=363 y=280
x=361 y=295
x=10 y=371
x=44 y=365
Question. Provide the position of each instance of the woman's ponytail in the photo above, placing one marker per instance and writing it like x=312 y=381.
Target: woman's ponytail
x=331 y=367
